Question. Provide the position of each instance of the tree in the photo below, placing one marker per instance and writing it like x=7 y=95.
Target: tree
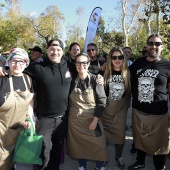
x=157 y=7
x=128 y=23
x=48 y=23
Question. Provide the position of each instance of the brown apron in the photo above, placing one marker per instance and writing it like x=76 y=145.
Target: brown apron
x=12 y=114
x=114 y=120
x=82 y=142
x=151 y=133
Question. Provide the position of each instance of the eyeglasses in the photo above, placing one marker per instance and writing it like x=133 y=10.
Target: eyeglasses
x=21 y=62
x=84 y=63
x=90 y=50
x=157 y=44
x=120 y=57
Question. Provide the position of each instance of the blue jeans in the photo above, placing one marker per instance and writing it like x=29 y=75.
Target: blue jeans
x=82 y=162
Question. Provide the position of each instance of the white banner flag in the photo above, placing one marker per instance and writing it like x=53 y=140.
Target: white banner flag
x=92 y=26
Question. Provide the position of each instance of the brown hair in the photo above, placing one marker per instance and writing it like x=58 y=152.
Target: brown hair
x=155 y=35
x=82 y=54
x=124 y=71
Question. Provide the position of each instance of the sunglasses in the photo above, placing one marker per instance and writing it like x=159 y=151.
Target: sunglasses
x=90 y=50
x=120 y=57
x=157 y=44
x=84 y=63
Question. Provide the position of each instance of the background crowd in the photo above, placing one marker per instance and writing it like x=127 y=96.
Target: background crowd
x=89 y=95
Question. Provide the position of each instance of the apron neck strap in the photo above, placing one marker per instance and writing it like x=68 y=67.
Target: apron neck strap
x=11 y=82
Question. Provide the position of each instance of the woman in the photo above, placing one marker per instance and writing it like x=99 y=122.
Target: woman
x=74 y=50
x=86 y=103
x=16 y=103
x=117 y=86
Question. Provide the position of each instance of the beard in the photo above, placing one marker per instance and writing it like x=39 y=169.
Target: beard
x=155 y=55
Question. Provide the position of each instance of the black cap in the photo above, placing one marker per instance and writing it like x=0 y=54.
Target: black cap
x=59 y=41
x=36 y=48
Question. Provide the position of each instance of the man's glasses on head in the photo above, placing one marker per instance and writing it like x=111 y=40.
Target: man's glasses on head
x=89 y=50
x=157 y=44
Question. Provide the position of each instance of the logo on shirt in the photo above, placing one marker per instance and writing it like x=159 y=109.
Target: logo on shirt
x=116 y=87
x=146 y=85
x=67 y=75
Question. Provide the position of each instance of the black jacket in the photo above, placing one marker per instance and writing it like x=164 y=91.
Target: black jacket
x=52 y=86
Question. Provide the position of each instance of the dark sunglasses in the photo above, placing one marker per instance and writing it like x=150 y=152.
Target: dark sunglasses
x=90 y=50
x=120 y=57
x=157 y=44
x=84 y=63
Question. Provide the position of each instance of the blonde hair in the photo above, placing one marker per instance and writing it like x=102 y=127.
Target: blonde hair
x=125 y=73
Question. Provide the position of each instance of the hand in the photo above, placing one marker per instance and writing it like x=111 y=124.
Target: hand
x=26 y=125
x=100 y=79
x=92 y=125
x=3 y=71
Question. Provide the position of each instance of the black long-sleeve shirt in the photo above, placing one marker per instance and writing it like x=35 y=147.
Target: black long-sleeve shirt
x=52 y=86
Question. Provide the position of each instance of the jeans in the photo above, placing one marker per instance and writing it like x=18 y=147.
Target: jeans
x=99 y=164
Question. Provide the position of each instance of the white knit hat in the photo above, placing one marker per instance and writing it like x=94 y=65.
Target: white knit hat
x=19 y=53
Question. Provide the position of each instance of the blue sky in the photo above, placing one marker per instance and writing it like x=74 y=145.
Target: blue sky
x=68 y=8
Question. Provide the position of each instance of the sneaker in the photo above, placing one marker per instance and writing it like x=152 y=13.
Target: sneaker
x=133 y=151
x=102 y=168
x=161 y=168
x=81 y=168
x=120 y=162
x=136 y=165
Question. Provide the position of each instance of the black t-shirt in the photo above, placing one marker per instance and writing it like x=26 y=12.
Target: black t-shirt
x=115 y=89
x=18 y=84
x=94 y=67
x=149 y=89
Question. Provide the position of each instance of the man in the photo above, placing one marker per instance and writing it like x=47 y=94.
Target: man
x=150 y=79
x=52 y=79
x=36 y=54
x=95 y=64
x=128 y=53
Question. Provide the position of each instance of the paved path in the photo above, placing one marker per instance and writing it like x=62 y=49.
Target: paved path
x=71 y=164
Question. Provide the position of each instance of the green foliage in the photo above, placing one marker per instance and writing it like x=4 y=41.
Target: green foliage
x=166 y=53
x=2 y=5
x=25 y=31
x=156 y=6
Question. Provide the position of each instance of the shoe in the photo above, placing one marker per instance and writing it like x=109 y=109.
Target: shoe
x=81 y=168
x=133 y=151
x=136 y=165
x=161 y=168
x=102 y=168
x=120 y=163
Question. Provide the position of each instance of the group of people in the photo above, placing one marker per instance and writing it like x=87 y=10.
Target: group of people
x=75 y=103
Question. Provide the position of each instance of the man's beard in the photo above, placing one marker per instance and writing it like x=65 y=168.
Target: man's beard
x=155 y=55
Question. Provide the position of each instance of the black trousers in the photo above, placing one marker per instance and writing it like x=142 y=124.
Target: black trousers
x=158 y=160
x=54 y=132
